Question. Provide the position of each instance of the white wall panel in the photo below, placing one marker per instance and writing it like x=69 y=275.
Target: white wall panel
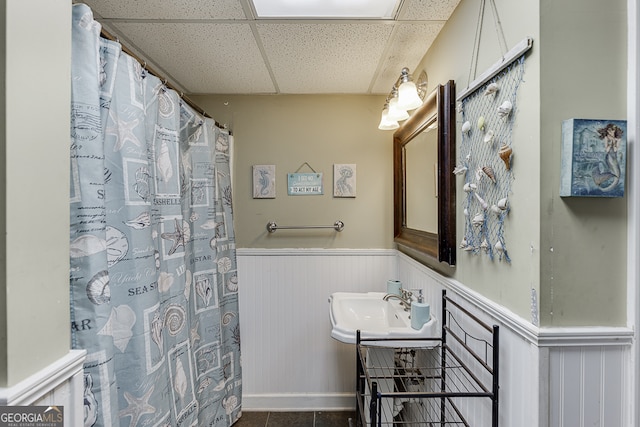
x=551 y=377
x=289 y=359
x=59 y=384
x=588 y=386
x=518 y=371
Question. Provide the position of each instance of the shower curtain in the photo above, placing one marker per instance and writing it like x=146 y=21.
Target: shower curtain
x=153 y=275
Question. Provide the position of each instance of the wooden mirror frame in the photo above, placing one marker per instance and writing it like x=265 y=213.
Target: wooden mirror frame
x=441 y=246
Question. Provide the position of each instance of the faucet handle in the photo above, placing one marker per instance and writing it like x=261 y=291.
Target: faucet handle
x=406 y=294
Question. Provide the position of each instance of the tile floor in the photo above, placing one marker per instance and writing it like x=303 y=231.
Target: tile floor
x=296 y=419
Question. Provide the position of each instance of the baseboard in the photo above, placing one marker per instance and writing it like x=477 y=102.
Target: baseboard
x=299 y=402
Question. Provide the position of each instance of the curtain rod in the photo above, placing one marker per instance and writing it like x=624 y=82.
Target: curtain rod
x=104 y=33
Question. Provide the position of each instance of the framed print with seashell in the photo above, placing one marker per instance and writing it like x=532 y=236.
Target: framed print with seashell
x=424 y=223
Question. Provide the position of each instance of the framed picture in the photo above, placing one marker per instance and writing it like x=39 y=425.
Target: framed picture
x=264 y=181
x=594 y=156
x=344 y=180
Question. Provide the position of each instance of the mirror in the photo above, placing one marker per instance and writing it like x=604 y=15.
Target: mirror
x=424 y=185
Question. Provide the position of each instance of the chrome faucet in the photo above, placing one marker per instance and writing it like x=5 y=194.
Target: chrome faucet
x=405 y=299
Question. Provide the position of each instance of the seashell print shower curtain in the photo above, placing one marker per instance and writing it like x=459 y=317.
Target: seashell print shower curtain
x=154 y=289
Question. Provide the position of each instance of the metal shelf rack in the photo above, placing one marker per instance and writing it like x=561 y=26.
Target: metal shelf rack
x=451 y=380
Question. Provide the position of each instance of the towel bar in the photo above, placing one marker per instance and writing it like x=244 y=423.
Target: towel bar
x=272 y=226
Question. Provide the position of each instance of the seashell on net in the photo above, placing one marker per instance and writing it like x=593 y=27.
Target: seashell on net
x=463 y=243
x=466 y=127
x=484 y=245
x=459 y=170
x=481 y=123
x=502 y=204
x=489 y=136
x=498 y=247
x=478 y=219
x=491 y=89
x=481 y=201
x=505 y=153
x=488 y=171
x=496 y=210
x=504 y=109
x=469 y=187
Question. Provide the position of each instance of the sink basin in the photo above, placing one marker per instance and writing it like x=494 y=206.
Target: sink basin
x=375 y=318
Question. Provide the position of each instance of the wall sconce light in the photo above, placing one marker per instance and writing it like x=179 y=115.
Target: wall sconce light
x=385 y=122
x=405 y=95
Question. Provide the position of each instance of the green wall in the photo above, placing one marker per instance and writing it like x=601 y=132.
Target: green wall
x=34 y=151
x=583 y=75
x=516 y=285
x=568 y=255
x=289 y=130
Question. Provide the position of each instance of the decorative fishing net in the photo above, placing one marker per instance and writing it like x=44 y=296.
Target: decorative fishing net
x=485 y=152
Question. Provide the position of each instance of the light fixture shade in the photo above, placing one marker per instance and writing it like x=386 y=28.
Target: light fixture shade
x=408 y=98
x=395 y=113
x=386 y=123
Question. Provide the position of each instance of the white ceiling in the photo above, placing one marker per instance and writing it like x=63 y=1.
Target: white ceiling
x=220 y=47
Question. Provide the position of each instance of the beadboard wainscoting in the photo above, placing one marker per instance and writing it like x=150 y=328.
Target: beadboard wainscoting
x=550 y=377
x=289 y=360
x=588 y=377
x=59 y=384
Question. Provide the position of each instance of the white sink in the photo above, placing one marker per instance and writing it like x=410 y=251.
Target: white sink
x=375 y=318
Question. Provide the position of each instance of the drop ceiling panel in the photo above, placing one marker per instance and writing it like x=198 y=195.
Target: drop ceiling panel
x=167 y=9
x=204 y=58
x=408 y=45
x=324 y=57
x=426 y=10
x=211 y=46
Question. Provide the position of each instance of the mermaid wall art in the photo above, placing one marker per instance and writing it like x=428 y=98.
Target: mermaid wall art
x=593 y=158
